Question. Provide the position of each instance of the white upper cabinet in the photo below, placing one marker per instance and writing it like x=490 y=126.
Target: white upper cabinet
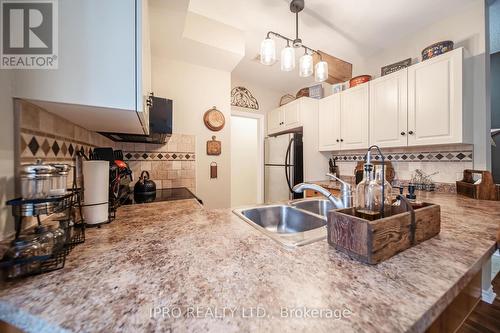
x=389 y=110
x=274 y=120
x=329 y=123
x=436 y=112
x=287 y=117
x=354 y=117
x=291 y=113
x=104 y=58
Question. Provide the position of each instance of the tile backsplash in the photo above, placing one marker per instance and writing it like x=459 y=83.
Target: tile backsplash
x=448 y=161
x=169 y=165
x=43 y=135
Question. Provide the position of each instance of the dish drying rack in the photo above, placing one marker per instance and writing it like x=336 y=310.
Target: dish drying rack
x=71 y=205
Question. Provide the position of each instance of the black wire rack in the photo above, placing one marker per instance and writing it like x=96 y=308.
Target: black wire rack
x=69 y=203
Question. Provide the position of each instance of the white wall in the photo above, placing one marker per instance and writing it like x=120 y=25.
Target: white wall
x=6 y=152
x=467 y=29
x=244 y=161
x=268 y=99
x=194 y=90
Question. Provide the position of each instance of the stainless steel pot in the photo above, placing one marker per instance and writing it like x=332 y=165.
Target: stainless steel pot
x=59 y=181
x=36 y=180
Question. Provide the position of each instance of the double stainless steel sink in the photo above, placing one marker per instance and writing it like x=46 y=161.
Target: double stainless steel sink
x=297 y=223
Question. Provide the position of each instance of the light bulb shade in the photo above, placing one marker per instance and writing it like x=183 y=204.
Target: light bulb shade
x=321 y=71
x=267 y=52
x=306 y=65
x=287 y=59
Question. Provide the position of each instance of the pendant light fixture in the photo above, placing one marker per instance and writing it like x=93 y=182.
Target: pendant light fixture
x=287 y=58
x=306 y=66
x=321 y=71
x=268 y=52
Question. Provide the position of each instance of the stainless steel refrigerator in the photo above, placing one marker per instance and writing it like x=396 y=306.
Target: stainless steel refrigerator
x=283 y=167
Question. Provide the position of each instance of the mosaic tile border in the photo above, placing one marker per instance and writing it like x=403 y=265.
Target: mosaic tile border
x=158 y=156
x=444 y=156
x=46 y=146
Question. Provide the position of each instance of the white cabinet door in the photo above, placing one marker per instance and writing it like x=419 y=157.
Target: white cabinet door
x=435 y=100
x=291 y=113
x=329 y=123
x=144 y=86
x=274 y=120
x=354 y=118
x=389 y=110
x=97 y=57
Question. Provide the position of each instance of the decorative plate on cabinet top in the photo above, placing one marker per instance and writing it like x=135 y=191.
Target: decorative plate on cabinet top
x=437 y=49
x=214 y=119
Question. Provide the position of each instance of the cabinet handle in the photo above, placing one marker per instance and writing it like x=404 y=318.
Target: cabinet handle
x=403 y=133
x=341 y=140
x=338 y=140
x=410 y=132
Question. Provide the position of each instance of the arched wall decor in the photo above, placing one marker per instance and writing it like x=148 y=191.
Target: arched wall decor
x=242 y=97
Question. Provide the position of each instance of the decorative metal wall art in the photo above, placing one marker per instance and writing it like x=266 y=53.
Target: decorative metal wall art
x=242 y=97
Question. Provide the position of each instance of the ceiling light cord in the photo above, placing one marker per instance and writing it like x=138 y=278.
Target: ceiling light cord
x=297 y=25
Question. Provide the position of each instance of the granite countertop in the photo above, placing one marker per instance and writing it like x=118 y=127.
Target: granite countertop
x=176 y=265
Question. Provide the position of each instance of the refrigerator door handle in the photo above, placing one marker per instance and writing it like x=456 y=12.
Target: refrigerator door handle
x=287 y=165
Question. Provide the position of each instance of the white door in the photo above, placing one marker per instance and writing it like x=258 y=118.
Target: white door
x=291 y=114
x=435 y=100
x=389 y=110
x=329 y=123
x=245 y=161
x=354 y=117
x=274 y=120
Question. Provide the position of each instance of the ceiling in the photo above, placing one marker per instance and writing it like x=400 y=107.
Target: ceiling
x=350 y=30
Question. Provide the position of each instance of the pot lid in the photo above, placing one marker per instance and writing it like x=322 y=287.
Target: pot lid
x=62 y=168
x=38 y=169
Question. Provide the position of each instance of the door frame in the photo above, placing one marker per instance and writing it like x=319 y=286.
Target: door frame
x=260 y=149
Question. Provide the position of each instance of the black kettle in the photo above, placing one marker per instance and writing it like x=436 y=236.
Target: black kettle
x=145 y=185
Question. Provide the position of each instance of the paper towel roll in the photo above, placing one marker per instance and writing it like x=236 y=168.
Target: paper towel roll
x=96 y=191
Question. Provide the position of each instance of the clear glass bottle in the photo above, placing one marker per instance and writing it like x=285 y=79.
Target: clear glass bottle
x=387 y=191
x=24 y=247
x=59 y=238
x=369 y=194
x=46 y=239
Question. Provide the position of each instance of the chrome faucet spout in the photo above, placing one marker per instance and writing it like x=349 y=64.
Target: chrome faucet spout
x=345 y=191
x=299 y=188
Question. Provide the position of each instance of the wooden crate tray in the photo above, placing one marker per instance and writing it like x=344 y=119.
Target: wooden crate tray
x=374 y=241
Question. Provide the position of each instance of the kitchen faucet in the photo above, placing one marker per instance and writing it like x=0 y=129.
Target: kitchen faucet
x=345 y=200
x=345 y=191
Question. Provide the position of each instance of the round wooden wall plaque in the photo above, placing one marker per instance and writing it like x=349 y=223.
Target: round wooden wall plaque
x=214 y=119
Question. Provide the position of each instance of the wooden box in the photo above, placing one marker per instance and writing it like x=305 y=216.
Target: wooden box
x=482 y=189
x=374 y=241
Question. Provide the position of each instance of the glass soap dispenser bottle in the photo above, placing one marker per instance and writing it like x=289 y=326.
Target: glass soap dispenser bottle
x=373 y=193
x=365 y=202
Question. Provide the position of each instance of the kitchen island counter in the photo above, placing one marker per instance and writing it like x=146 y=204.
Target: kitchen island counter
x=178 y=266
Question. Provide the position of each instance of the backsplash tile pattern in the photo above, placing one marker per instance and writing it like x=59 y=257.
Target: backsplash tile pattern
x=172 y=164
x=424 y=156
x=448 y=161
x=43 y=135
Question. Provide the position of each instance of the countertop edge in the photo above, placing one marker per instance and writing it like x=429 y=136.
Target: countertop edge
x=26 y=321
x=426 y=320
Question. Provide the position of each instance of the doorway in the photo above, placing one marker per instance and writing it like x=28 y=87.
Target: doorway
x=247 y=151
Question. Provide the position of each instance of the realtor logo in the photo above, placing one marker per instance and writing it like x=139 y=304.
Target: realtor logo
x=29 y=34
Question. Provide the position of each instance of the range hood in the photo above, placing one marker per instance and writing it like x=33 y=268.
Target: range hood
x=160 y=124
